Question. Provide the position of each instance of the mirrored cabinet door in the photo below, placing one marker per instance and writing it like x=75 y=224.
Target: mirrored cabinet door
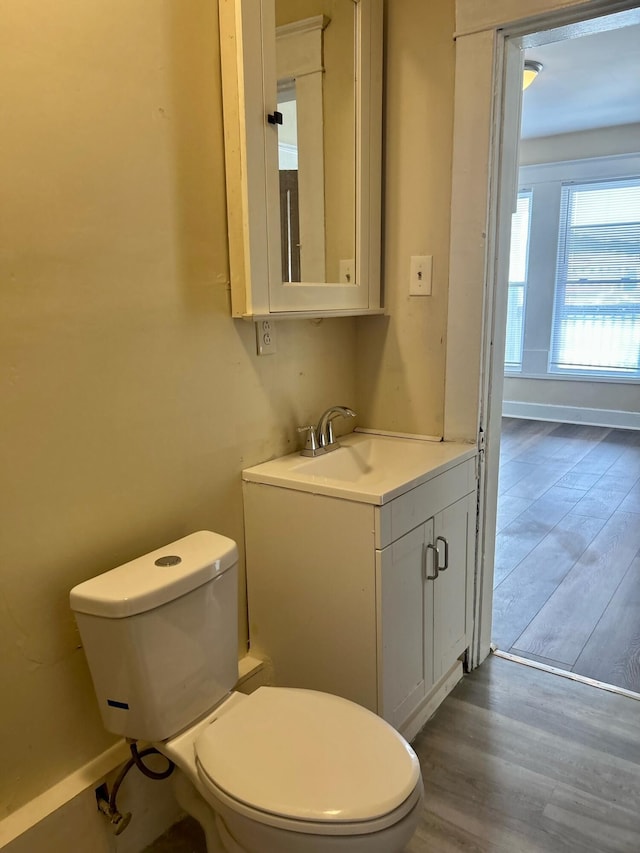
x=302 y=87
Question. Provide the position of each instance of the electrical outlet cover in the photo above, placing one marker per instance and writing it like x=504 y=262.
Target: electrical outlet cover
x=265 y=337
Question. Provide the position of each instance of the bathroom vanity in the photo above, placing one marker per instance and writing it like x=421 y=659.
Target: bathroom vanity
x=359 y=571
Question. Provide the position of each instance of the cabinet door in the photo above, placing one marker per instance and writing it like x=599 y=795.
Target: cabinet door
x=405 y=625
x=453 y=532
x=251 y=70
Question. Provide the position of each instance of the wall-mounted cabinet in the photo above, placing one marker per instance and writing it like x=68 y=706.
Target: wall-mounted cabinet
x=302 y=122
x=370 y=602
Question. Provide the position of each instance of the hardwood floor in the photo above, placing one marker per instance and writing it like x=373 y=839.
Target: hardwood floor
x=567 y=569
x=518 y=761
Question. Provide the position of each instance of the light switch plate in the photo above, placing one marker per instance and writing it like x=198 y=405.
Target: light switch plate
x=420 y=275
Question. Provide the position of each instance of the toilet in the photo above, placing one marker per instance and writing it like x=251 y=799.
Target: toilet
x=281 y=770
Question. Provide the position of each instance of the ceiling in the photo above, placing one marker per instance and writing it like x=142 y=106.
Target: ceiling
x=587 y=82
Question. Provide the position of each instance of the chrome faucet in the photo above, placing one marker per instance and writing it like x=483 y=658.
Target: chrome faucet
x=325 y=426
x=320 y=439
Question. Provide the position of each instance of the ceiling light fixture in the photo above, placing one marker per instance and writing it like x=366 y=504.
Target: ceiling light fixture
x=531 y=71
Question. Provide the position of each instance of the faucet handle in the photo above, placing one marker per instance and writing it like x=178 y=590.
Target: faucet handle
x=311 y=446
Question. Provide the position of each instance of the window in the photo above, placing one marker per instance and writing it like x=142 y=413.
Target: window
x=518 y=264
x=596 y=322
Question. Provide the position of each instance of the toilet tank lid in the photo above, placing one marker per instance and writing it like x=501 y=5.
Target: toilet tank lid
x=156 y=578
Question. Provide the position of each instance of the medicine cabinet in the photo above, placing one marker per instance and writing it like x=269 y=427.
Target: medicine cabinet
x=302 y=96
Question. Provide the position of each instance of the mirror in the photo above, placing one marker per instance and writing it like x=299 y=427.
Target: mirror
x=302 y=108
x=315 y=69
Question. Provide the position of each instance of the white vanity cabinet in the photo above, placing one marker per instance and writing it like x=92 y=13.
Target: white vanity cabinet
x=423 y=614
x=343 y=593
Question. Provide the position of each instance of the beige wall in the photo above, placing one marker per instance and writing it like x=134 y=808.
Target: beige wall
x=131 y=400
x=401 y=358
x=601 y=142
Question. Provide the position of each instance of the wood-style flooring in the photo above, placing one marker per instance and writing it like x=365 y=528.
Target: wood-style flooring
x=517 y=760
x=567 y=568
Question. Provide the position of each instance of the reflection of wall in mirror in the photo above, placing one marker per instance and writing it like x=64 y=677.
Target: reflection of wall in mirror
x=339 y=122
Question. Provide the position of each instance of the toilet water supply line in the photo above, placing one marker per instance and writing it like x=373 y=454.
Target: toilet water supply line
x=119 y=822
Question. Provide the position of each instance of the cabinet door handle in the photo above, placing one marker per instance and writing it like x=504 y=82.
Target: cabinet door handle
x=436 y=560
x=446 y=553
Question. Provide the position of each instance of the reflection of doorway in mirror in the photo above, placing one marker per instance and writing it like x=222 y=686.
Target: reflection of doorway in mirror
x=288 y=173
x=300 y=76
x=288 y=130
x=316 y=45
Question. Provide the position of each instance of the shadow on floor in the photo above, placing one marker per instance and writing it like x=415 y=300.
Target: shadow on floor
x=183 y=837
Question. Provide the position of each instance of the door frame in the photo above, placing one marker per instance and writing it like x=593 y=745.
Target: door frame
x=488 y=96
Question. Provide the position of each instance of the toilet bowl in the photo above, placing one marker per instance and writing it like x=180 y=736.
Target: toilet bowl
x=298 y=771
x=281 y=770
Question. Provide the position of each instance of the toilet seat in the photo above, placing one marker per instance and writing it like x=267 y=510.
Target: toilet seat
x=324 y=828
x=308 y=762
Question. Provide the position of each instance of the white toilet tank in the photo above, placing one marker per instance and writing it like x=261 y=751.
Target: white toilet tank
x=161 y=635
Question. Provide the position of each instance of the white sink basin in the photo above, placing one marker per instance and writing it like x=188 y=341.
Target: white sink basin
x=368 y=459
x=366 y=467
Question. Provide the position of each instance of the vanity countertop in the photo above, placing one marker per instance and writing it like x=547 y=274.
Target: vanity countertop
x=367 y=467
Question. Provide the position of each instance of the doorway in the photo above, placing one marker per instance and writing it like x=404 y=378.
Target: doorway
x=567 y=561
x=488 y=64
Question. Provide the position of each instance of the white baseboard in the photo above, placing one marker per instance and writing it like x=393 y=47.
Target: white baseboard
x=571 y=415
x=65 y=817
x=60 y=794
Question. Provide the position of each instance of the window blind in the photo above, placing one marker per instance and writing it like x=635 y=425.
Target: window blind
x=596 y=323
x=518 y=265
